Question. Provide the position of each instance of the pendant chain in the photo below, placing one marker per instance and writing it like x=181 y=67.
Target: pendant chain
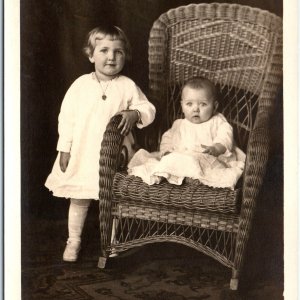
x=104 y=97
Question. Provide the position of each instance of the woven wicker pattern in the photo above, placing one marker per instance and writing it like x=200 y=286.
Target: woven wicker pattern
x=240 y=49
x=192 y=196
x=213 y=235
x=205 y=220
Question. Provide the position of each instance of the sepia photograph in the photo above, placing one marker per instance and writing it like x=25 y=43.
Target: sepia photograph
x=151 y=150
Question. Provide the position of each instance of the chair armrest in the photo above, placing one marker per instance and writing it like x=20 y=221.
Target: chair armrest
x=109 y=154
x=256 y=162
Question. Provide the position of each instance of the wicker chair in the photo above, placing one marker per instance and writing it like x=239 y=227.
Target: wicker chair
x=240 y=49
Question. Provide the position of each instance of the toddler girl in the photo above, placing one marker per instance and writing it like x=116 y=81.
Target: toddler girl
x=199 y=146
x=87 y=107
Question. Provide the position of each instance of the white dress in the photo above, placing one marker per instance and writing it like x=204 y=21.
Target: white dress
x=81 y=124
x=187 y=159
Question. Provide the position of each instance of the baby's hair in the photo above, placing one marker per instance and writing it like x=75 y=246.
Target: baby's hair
x=100 y=32
x=200 y=82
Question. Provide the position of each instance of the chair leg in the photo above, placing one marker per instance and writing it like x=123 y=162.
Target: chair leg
x=114 y=229
x=234 y=282
x=102 y=262
x=103 y=258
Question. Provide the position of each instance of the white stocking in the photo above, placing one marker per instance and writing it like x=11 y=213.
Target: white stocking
x=77 y=214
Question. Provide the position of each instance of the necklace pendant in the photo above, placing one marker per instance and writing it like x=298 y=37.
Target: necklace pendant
x=104 y=97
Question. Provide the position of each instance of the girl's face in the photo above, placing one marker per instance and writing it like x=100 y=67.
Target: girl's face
x=197 y=104
x=108 y=57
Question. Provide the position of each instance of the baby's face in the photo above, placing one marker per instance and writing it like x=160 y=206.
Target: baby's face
x=197 y=105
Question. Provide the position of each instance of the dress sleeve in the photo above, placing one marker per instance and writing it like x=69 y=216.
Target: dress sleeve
x=140 y=102
x=224 y=133
x=66 y=121
x=167 y=140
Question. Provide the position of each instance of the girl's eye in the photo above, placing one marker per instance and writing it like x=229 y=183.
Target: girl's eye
x=120 y=52
x=103 y=50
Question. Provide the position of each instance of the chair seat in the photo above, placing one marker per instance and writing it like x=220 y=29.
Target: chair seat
x=191 y=195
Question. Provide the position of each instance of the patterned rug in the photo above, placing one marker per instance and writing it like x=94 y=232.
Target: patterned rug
x=155 y=272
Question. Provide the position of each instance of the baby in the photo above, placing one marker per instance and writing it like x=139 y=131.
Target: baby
x=199 y=146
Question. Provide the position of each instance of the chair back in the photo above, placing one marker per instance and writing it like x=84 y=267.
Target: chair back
x=238 y=47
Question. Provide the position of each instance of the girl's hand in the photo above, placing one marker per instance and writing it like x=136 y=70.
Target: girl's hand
x=129 y=119
x=64 y=160
x=215 y=150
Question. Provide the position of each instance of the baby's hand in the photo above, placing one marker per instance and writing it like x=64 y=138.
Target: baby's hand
x=64 y=160
x=215 y=150
x=129 y=119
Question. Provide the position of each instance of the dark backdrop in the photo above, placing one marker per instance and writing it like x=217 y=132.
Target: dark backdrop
x=52 y=35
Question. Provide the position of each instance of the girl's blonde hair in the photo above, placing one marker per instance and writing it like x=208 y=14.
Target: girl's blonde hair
x=99 y=33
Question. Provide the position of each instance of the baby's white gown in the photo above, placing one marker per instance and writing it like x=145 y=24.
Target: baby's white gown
x=187 y=159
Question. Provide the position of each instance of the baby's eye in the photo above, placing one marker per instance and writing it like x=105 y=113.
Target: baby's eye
x=189 y=104
x=203 y=104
